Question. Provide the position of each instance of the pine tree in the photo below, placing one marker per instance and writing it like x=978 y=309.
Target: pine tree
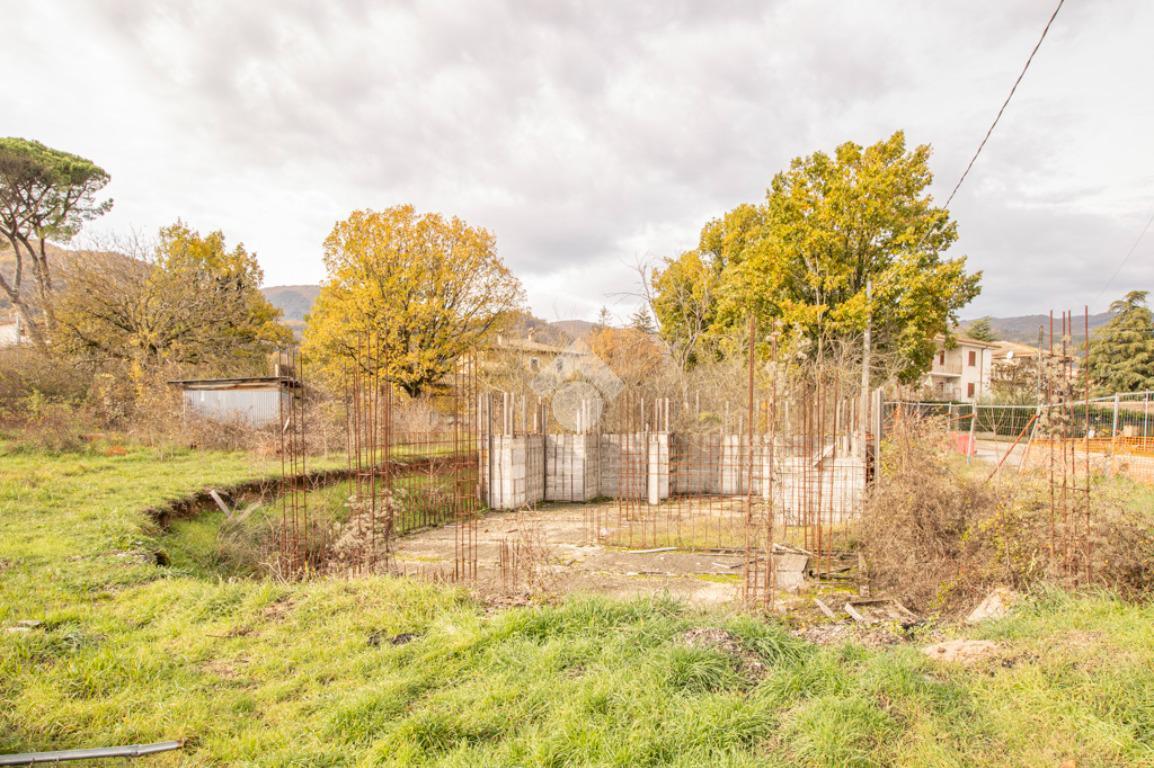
x=1122 y=352
x=981 y=330
x=643 y=321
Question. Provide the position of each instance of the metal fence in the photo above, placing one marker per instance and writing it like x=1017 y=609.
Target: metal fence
x=1116 y=431
x=1126 y=417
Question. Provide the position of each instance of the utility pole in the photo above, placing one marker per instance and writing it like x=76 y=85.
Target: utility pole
x=1041 y=371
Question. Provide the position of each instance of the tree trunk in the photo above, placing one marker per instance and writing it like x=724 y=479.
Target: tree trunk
x=32 y=324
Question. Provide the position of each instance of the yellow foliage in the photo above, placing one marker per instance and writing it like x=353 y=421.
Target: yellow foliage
x=420 y=288
x=631 y=354
x=190 y=300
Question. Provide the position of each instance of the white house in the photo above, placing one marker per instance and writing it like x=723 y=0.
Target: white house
x=962 y=372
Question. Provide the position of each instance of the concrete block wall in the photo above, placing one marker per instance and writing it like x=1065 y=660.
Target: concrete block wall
x=580 y=467
x=694 y=464
x=635 y=465
x=572 y=467
x=515 y=474
x=837 y=487
x=620 y=466
x=733 y=466
x=720 y=465
x=657 y=471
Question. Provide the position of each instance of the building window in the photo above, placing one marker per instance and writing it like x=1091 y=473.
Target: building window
x=942 y=357
x=973 y=358
x=534 y=364
x=970 y=386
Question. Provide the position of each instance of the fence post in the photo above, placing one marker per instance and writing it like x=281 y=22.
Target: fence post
x=1145 y=418
x=1114 y=435
x=877 y=416
x=972 y=447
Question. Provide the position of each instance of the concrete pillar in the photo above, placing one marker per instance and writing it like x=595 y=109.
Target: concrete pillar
x=657 y=475
x=515 y=477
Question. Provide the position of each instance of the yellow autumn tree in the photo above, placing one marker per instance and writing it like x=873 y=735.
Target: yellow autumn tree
x=188 y=300
x=632 y=354
x=420 y=288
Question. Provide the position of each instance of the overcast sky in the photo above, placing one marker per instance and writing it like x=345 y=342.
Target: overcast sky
x=587 y=136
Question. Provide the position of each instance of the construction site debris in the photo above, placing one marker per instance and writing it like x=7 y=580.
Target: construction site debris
x=877 y=610
x=960 y=651
x=829 y=612
x=995 y=605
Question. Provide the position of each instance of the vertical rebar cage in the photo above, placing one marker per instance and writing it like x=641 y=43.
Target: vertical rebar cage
x=769 y=457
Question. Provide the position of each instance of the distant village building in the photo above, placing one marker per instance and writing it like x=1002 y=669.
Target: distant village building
x=258 y=401
x=1020 y=371
x=1013 y=353
x=962 y=372
x=532 y=356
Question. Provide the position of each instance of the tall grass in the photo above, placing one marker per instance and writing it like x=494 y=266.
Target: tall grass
x=254 y=672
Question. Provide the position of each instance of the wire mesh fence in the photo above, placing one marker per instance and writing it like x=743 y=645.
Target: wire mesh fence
x=1115 y=431
x=1125 y=417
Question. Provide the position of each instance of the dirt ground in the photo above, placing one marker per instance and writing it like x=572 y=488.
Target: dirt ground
x=1137 y=468
x=547 y=550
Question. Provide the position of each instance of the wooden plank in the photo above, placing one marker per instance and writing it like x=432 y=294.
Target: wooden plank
x=220 y=502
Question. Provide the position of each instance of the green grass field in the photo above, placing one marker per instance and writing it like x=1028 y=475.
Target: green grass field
x=254 y=672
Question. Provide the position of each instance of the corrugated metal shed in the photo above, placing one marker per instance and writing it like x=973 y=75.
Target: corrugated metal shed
x=258 y=401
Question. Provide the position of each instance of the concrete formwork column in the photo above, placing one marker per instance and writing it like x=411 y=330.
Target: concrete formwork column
x=657 y=475
x=732 y=455
x=515 y=471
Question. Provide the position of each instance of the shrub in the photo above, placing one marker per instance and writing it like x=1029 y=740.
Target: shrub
x=937 y=534
x=30 y=378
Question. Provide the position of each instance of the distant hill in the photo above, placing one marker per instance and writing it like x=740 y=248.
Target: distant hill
x=529 y=326
x=294 y=300
x=1024 y=328
x=575 y=329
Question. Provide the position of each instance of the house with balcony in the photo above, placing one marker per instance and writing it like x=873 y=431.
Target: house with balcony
x=961 y=369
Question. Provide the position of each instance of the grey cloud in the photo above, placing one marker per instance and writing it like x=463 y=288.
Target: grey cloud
x=587 y=134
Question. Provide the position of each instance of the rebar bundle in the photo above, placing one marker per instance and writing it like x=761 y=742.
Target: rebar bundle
x=1065 y=425
x=414 y=460
x=294 y=554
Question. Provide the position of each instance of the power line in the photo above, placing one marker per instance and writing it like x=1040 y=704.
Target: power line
x=1005 y=104
x=1126 y=258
